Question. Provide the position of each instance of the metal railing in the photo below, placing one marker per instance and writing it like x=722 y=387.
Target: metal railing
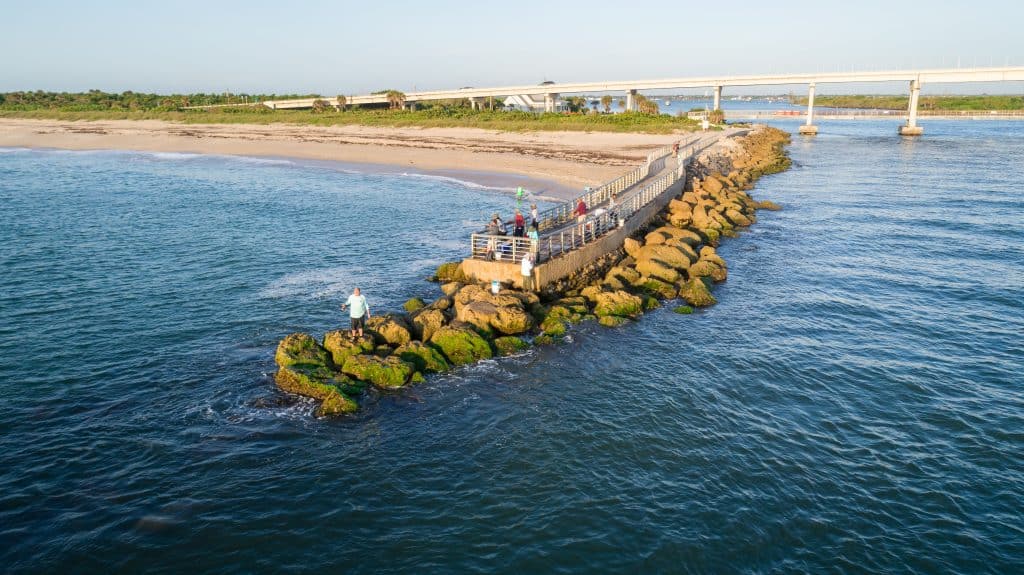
x=597 y=223
x=564 y=212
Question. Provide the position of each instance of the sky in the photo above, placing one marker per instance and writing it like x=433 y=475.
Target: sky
x=347 y=47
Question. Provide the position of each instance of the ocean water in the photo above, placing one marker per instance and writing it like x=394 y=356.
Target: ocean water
x=853 y=403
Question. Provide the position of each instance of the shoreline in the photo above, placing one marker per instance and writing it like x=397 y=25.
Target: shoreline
x=557 y=165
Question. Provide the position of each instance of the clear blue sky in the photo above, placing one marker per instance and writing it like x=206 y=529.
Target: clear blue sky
x=354 y=47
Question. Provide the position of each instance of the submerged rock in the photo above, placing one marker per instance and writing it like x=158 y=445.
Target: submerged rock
x=683 y=309
x=461 y=346
x=450 y=272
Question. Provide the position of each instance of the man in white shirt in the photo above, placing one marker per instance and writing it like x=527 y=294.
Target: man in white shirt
x=527 y=271
x=360 y=312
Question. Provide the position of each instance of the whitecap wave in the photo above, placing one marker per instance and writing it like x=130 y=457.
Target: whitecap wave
x=14 y=150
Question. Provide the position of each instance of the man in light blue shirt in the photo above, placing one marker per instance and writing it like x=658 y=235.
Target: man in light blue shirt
x=359 y=312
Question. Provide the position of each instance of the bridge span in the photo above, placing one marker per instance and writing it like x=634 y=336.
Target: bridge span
x=550 y=92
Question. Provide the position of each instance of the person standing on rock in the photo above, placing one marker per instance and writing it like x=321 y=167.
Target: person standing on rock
x=359 y=312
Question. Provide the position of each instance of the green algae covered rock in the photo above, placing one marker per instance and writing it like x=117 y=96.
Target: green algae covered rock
x=553 y=326
x=543 y=340
x=612 y=320
x=461 y=346
x=341 y=346
x=683 y=309
x=659 y=288
x=384 y=372
x=651 y=303
x=318 y=383
x=510 y=344
x=301 y=349
x=450 y=272
x=414 y=304
x=696 y=293
x=620 y=303
x=426 y=359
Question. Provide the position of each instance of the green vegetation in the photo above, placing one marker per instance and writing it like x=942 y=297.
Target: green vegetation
x=96 y=105
x=936 y=103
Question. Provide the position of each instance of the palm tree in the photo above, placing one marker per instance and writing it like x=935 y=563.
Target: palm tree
x=606 y=101
x=342 y=101
x=320 y=105
x=622 y=103
x=395 y=98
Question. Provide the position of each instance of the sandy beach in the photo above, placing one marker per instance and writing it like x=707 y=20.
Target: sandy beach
x=559 y=162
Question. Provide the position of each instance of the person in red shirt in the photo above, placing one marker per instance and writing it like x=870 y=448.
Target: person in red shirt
x=581 y=210
x=520 y=226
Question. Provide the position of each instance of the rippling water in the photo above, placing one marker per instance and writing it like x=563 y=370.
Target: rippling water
x=853 y=403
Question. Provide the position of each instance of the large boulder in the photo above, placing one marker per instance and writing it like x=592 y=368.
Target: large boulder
x=631 y=246
x=665 y=254
x=708 y=253
x=512 y=320
x=426 y=323
x=341 y=345
x=696 y=293
x=318 y=383
x=620 y=303
x=624 y=274
x=737 y=218
x=301 y=349
x=389 y=330
x=384 y=372
x=707 y=268
x=461 y=346
x=711 y=185
x=656 y=269
x=659 y=288
x=612 y=320
x=426 y=359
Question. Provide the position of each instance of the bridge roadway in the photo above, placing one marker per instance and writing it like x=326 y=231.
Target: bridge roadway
x=551 y=91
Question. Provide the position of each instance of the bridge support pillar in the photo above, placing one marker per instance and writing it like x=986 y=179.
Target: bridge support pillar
x=631 y=100
x=718 y=98
x=549 y=102
x=474 y=103
x=809 y=128
x=911 y=128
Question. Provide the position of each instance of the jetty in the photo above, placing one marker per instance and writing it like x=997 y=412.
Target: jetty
x=566 y=245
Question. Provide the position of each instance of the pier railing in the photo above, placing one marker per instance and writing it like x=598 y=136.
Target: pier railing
x=564 y=212
x=578 y=234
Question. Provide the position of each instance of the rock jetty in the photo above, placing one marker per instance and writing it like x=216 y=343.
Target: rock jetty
x=673 y=258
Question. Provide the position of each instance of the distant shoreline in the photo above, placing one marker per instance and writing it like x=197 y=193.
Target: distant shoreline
x=555 y=164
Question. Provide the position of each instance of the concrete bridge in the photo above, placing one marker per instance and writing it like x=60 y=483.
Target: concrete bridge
x=567 y=245
x=550 y=91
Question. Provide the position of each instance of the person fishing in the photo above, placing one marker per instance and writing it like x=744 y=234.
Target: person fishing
x=360 y=312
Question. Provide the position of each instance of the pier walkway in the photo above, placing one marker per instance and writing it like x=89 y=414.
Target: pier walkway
x=566 y=245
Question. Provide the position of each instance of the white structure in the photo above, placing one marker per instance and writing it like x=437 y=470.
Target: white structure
x=530 y=103
x=543 y=97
